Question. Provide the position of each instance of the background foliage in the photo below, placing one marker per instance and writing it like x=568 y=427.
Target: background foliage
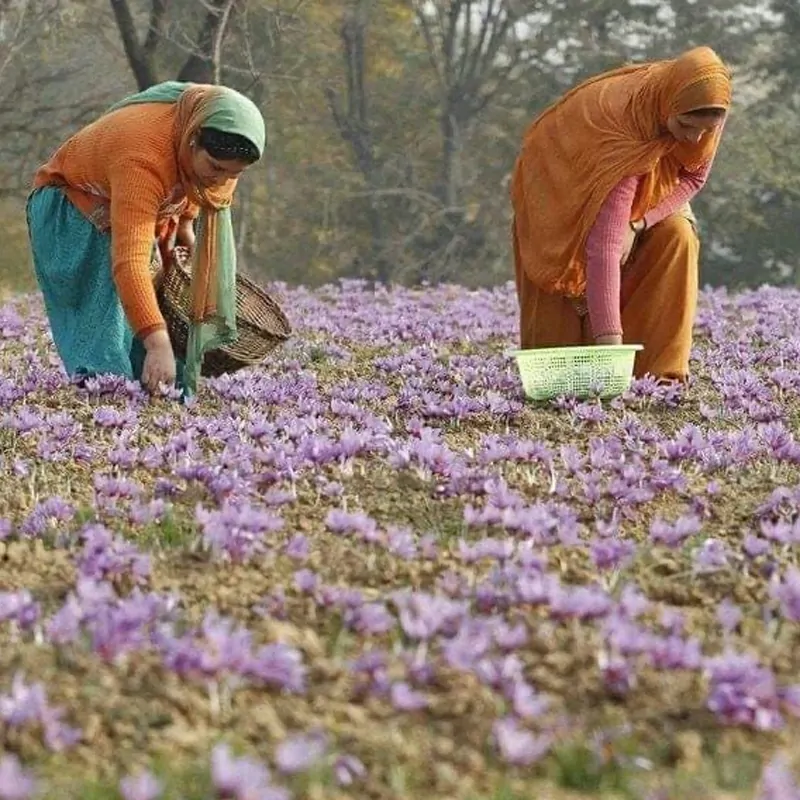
x=393 y=124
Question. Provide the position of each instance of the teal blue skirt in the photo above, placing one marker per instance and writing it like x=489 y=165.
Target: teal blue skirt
x=72 y=261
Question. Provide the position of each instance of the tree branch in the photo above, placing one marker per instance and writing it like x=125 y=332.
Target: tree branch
x=155 y=30
x=138 y=59
x=199 y=67
x=219 y=36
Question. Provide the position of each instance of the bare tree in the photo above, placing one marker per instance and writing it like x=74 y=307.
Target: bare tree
x=352 y=121
x=36 y=96
x=202 y=64
x=20 y=23
x=473 y=50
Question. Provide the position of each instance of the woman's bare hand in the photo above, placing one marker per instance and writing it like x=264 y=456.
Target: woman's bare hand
x=185 y=235
x=159 y=362
x=633 y=231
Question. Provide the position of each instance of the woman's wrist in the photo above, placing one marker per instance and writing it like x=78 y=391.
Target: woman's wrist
x=608 y=339
x=156 y=339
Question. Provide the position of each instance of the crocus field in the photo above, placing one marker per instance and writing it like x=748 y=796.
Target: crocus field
x=370 y=569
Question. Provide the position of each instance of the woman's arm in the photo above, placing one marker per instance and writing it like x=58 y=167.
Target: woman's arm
x=604 y=250
x=136 y=195
x=690 y=183
x=185 y=233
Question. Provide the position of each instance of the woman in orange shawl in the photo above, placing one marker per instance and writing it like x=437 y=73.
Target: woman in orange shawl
x=158 y=168
x=605 y=246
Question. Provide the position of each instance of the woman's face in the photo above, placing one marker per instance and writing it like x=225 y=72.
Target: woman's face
x=692 y=127
x=213 y=172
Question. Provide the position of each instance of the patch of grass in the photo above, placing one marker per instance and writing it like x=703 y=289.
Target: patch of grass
x=188 y=783
x=587 y=769
x=737 y=769
x=172 y=532
x=504 y=792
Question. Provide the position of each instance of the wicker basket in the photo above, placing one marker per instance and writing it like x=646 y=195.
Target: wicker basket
x=260 y=323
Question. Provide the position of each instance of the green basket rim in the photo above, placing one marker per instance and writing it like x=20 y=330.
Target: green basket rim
x=594 y=348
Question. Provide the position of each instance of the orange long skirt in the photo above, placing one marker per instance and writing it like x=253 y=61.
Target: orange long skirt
x=659 y=290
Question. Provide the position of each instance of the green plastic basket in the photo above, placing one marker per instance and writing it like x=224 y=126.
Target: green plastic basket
x=597 y=371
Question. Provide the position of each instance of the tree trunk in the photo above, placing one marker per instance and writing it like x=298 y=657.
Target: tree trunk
x=202 y=65
x=382 y=267
x=451 y=146
x=139 y=59
x=199 y=67
x=355 y=128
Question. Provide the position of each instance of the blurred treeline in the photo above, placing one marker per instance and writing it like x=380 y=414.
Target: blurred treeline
x=393 y=124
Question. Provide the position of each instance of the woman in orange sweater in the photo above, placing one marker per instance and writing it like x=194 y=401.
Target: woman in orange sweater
x=158 y=169
x=605 y=245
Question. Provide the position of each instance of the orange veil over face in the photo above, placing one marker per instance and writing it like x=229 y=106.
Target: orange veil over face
x=607 y=128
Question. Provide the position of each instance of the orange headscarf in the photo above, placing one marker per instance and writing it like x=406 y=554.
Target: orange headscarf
x=192 y=111
x=607 y=128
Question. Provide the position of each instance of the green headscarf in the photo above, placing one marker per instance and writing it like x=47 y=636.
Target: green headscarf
x=230 y=112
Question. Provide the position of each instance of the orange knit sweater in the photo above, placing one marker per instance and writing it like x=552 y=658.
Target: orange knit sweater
x=121 y=172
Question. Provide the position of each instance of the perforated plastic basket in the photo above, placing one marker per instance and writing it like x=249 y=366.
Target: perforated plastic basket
x=597 y=371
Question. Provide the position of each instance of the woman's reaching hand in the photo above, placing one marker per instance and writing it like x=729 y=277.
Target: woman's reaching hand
x=159 y=362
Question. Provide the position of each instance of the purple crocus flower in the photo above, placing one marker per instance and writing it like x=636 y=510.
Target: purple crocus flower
x=236 y=532
x=107 y=557
x=580 y=602
x=278 y=665
x=617 y=674
x=143 y=786
x=242 y=778
x=753 y=546
x=527 y=704
x=306 y=581
x=422 y=616
x=778 y=782
x=510 y=637
x=16 y=783
x=401 y=542
x=347 y=769
x=404 y=698
x=46 y=515
x=674 y=534
x=712 y=556
x=518 y=746
x=27 y=704
x=611 y=553
x=728 y=615
x=742 y=692
x=787 y=594
x=301 y=752
x=370 y=618
x=339 y=521
x=297 y=548
x=19 y=607
x=632 y=603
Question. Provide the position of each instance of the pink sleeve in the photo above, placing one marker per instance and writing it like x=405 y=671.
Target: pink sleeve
x=690 y=183
x=604 y=247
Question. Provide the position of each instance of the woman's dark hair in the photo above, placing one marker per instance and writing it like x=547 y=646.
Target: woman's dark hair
x=227 y=146
x=709 y=111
